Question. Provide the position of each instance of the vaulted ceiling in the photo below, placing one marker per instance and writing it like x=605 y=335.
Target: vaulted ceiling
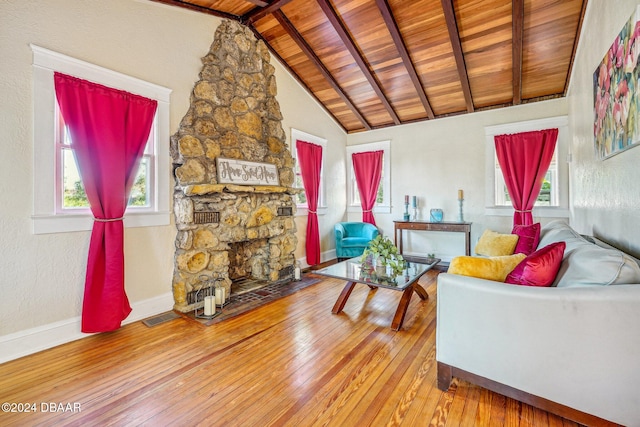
x=380 y=63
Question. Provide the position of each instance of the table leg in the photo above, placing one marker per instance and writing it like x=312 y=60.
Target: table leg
x=467 y=243
x=422 y=293
x=405 y=299
x=344 y=296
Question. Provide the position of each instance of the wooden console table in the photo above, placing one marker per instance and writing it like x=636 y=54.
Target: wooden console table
x=456 y=227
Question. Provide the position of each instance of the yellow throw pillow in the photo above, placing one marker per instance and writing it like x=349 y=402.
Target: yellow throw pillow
x=496 y=244
x=492 y=268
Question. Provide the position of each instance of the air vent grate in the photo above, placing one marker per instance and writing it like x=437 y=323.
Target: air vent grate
x=160 y=318
x=285 y=211
x=206 y=217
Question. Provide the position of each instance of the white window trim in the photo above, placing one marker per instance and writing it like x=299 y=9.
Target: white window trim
x=560 y=122
x=385 y=206
x=44 y=218
x=302 y=209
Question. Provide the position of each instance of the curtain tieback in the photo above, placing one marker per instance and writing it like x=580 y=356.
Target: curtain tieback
x=368 y=211
x=313 y=212
x=107 y=219
x=518 y=210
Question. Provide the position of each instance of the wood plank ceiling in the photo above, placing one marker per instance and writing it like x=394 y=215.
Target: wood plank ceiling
x=380 y=63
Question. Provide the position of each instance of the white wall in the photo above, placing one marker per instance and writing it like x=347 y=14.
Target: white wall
x=605 y=197
x=433 y=159
x=42 y=276
x=302 y=112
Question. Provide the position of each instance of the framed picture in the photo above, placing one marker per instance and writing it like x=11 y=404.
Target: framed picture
x=615 y=92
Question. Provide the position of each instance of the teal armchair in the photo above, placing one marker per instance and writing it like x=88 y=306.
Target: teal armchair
x=352 y=238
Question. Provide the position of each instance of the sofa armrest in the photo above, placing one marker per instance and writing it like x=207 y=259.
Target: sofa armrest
x=370 y=231
x=339 y=233
x=574 y=346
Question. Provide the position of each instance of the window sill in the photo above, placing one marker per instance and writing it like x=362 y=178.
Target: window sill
x=46 y=224
x=538 y=212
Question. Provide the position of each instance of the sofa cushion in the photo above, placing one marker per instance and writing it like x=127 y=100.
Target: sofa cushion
x=349 y=242
x=585 y=263
x=490 y=268
x=528 y=238
x=540 y=268
x=496 y=244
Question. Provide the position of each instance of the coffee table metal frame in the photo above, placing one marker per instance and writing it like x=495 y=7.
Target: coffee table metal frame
x=353 y=271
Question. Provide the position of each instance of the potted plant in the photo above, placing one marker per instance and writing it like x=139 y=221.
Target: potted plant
x=382 y=252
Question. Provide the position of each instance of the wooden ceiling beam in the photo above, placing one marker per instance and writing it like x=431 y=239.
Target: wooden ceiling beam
x=260 y=12
x=389 y=20
x=517 y=28
x=454 y=36
x=306 y=49
x=198 y=8
x=258 y=3
x=357 y=56
x=296 y=77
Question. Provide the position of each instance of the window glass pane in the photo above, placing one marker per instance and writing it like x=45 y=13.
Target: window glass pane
x=74 y=196
x=140 y=189
x=301 y=197
x=355 y=193
x=73 y=190
x=548 y=191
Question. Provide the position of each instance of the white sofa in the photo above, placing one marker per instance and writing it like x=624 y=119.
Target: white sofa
x=572 y=349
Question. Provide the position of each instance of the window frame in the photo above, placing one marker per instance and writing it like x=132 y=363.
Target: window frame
x=492 y=181
x=355 y=206
x=303 y=208
x=47 y=217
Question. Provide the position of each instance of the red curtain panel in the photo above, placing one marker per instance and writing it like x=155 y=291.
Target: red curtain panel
x=109 y=129
x=367 y=167
x=524 y=159
x=310 y=159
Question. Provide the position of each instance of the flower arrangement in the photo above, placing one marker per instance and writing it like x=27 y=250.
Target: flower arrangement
x=381 y=251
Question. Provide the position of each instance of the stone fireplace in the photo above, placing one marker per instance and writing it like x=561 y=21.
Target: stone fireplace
x=229 y=230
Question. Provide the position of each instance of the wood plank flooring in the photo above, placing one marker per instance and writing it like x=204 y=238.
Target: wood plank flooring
x=290 y=362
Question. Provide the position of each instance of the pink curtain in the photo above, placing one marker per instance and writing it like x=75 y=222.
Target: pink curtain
x=524 y=159
x=367 y=167
x=310 y=159
x=109 y=129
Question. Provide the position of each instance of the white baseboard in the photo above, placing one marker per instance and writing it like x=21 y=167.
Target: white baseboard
x=324 y=257
x=29 y=341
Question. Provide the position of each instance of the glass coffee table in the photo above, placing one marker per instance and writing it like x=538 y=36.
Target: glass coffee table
x=354 y=271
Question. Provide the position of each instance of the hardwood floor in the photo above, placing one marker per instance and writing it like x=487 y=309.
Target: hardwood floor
x=290 y=362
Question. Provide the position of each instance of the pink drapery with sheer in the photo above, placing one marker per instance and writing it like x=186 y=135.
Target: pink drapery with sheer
x=310 y=160
x=367 y=167
x=109 y=129
x=524 y=159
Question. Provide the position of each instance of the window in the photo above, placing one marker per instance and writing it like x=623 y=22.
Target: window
x=301 y=199
x=60 y=204
x=548 y=193
x=70 y=193
x=553 y=200
x=383 y=202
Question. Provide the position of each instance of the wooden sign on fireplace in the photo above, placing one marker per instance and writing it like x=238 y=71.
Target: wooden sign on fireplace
x=242 y=172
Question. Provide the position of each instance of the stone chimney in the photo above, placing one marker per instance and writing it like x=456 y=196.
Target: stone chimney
x=230 y=225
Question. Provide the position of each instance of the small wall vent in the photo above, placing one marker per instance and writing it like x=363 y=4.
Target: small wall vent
x=206 y=217
x=285 y=211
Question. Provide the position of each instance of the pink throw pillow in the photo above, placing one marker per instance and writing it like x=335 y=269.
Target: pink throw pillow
x=540 y=268
x=528 y=238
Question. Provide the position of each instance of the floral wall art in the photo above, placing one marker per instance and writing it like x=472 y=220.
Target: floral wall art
x=615 y=89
